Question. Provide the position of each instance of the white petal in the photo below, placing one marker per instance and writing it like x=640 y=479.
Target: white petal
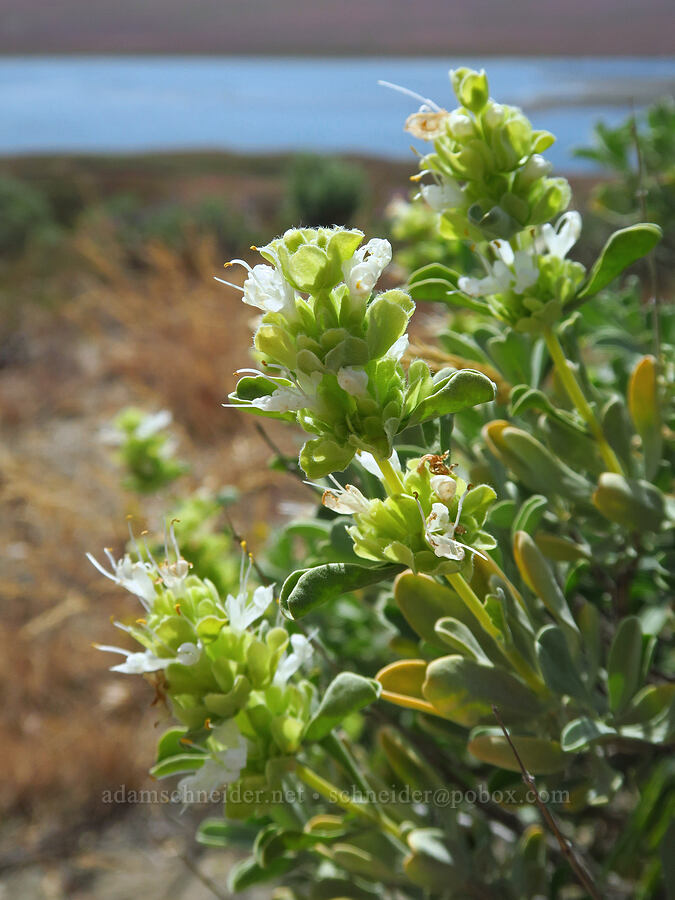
x=262 y=597
x=367 y=460
x=286 y=399
x=445 y=546
x=443 y=486
x=398 y=348
x=478 y=287
x=353 y=380
x=504 y=251
x=136 y=663
x=266 y=289
x=153 y=423
x=565 y=235
x=362 y=271
x=439 y=518
x=527 y=271
x=348 y=501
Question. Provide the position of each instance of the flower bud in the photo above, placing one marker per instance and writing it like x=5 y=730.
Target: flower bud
x=551 y=196
x=493 y=116
x=536 y=167
x=470 y=87
x=460 y=126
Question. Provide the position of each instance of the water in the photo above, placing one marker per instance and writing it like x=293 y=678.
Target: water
x=135 y=104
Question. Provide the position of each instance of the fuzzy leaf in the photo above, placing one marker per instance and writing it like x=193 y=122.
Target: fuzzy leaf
x=347 y=693
x=540 y=757
x=637 y=505
x=623 y=663
x=461 y=390
x=464 y=691
x=622 y=249
x=557 y=666
x=306 y=589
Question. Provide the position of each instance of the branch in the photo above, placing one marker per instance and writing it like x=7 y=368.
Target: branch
x=568 y=851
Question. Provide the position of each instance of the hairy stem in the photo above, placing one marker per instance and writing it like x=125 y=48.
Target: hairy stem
x=576 y=395
x=390 y=477
x=468 y=595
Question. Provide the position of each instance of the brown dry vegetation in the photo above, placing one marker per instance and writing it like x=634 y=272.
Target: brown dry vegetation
x=167 y=337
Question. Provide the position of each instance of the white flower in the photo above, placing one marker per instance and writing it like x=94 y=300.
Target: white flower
x=265 y=288
x=221 y=767
x=292 y=397
x=439 y=531
x=136 y=663
x=510 y=271
x=447 y=195
x=560 y=240
x=301 y=656
x=242 y=612
x=153 y=423
x=284 y=399
x=460 y=126
x=444 y=487
x=347 y=500
x=134 y=576
x=353 y=380
x=362 y=271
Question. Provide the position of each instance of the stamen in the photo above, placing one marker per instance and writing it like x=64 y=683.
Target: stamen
x=97 y=565
x=419 y=506
x=409 y=93
x=231 y=284
x=472 y=550
x=240 y=262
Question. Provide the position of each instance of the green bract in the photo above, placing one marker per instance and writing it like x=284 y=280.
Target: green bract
x=331 y=350
x=433 y=525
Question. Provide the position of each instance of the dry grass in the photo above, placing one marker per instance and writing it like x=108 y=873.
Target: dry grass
x=167 y=337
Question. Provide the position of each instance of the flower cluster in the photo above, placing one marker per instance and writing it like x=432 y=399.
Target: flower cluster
x=331 y=350
x=528 y=287
x=489 y=178
x=226 y=672
x=434 y=525
x=145 y=449
x=493 y=188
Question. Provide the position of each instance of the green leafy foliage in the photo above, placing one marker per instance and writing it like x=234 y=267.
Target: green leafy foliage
x=485 y=589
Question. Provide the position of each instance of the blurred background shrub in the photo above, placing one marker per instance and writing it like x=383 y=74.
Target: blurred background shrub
x=323 y=191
